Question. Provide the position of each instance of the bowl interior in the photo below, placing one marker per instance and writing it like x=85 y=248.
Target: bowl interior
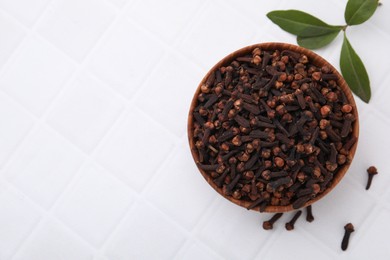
x=314 y=59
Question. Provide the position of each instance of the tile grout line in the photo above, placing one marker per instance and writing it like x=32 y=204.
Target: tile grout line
x=208 y=211
x=186 y=245
x=172 y=135
x=371 y=217
x=47 y=213
x=383 y=200
x=379 y=29
x=194 y=231
x=189 y=25
x=193 y=237
x=14 y=55
x=141 y=200
x=268 y=243
x=90 y=156
x=144 y=190
x=240 y=13
x=25 y=34
x=128 y=102
x=324 y=246
x=37 y=224
x=78 y=66
x=29 y=33
x=142 y=194
x=173 y=49
x=114 y=230
x=89 y=159
x=139 y=195
x=44 y=215
x=364 y=220
x=41 y=120
x=16 y=149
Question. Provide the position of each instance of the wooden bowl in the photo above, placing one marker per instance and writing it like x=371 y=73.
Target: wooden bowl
x=316 y=60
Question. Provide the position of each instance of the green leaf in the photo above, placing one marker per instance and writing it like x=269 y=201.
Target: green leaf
x=359 y=11
x=354 y=71
x=317 y=42
x=301 y=23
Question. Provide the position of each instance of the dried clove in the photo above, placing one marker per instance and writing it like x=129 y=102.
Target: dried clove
x=371 y=172
x=290 y=224
x=309 y=214
x=349 y=228
x=269 y=224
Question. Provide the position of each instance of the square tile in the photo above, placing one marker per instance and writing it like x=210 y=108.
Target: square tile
x=255 y=10
x=345 y=203
x=232 y=231
x=14 y=34
x=44 y=166
x=164 y=24
x=85 y=112
x=94 y=204
x=119 y=3
x=135 y=149
x=373 y=130
x=44 y=69
x=295 y=245
x=380 y=18
x=24 y=10
x=215 y=34
x=74 y=26
x=15 y=123
x=363 y=38
x=172 y=111
x=187 y=186
x=196 y=250
x=125 y=58
x=42 y=245
x=370 y=240
x=379 y=96
x=145 y=234
x=17 y=220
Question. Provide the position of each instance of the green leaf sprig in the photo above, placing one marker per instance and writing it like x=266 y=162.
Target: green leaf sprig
x=313 y=33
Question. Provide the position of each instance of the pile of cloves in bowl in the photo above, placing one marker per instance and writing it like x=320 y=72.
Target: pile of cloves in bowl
x=272 y=129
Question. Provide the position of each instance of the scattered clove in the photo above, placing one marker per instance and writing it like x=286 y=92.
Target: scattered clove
x=290 y=224
x=349 y=228
x=309 y=214
x=269 y=224
x=371 y=172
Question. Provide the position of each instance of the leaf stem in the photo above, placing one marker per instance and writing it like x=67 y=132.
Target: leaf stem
x=345 y=27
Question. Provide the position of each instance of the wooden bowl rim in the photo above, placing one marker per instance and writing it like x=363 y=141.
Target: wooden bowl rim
x=314 y=59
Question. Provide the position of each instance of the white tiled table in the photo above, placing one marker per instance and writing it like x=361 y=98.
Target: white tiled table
x=94 y=160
